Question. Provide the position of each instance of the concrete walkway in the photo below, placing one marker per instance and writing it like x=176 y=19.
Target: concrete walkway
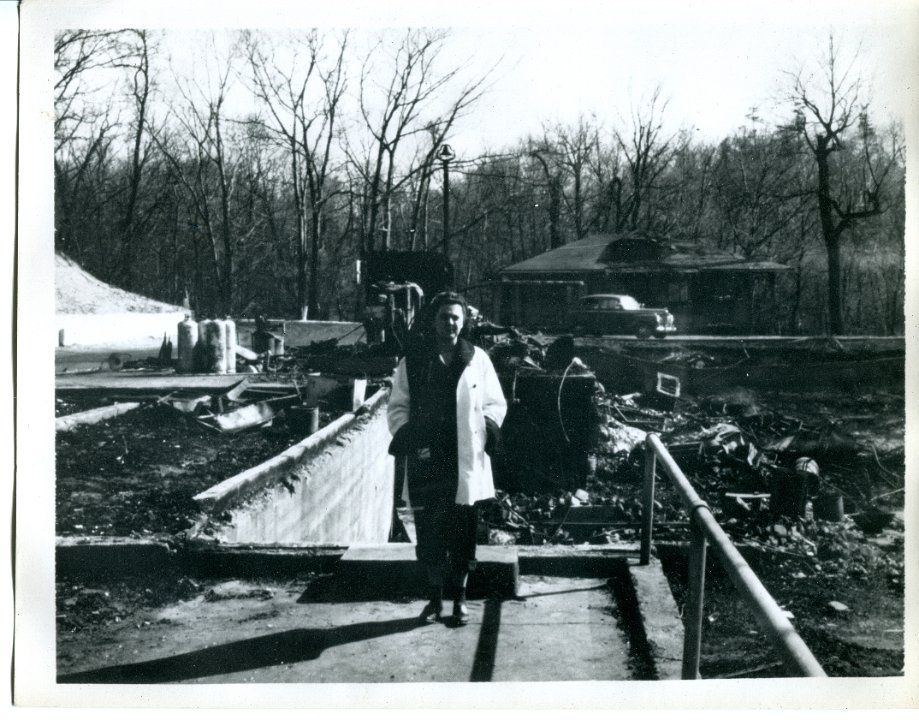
x=558 y=628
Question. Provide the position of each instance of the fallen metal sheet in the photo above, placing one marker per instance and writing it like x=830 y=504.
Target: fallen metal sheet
x=185 y=404
x=245 y=417
x=249 y=416
x=235 y=392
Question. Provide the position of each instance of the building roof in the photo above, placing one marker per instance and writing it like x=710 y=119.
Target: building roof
x=588 y=256
x=579 y=256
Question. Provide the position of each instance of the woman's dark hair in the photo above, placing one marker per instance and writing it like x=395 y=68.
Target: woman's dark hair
x=448 y=298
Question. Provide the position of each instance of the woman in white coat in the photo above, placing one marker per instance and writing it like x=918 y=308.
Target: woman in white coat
x=445 y=414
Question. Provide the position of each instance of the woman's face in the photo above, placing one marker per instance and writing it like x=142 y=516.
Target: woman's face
x=448 y=322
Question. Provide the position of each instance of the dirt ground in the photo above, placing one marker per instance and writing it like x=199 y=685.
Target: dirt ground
x=135 y=475
x=841 y=582
x=864 y=638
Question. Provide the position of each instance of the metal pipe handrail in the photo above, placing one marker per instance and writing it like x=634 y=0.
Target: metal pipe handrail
x=796 y=656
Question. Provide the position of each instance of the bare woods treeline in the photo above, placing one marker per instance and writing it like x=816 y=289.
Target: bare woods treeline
x=255 y=176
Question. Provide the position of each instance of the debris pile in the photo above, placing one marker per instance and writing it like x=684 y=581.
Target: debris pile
x=774 y=472
x=240 y=408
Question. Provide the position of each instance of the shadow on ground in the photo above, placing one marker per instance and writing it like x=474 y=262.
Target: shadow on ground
x=292 y=646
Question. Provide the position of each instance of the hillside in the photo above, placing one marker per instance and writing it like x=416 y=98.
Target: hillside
x=78 y=292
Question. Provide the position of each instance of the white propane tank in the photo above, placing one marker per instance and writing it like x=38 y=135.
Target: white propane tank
x=217 y=347
x=200 y=355
x=231 y=344
x=188 y=338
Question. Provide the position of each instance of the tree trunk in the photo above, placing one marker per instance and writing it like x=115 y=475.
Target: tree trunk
x=578 y=207
x=831 y=236
x=555 y=211
x=141 y=95
x=302 y=302
x=313 y=296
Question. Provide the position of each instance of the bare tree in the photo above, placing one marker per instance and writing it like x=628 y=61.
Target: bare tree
x=577 y=148
x=647 y=154
x=833 y=119
x=542 y=151
x=605 y=169
x=85 y=127
x=302 y=102
x=204 y=164
x=78 y=56
x=756 y=178
x=391 y=112
x=136 y=59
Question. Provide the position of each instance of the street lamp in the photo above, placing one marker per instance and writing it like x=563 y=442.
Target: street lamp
x=446 y=154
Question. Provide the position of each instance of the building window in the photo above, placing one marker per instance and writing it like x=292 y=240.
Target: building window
x=678 y=292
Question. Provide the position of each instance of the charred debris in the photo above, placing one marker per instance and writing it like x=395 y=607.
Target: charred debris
x=787 y=471
x=817 y=475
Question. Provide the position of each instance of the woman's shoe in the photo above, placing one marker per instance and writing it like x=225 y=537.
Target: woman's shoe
x=460 y=612
x=432 y=611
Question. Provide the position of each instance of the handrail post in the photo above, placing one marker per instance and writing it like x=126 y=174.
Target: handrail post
x=705 y=529
x=692 y=610
x=647 y=499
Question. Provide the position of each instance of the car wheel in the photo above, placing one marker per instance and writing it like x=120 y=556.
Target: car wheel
x=644 y=332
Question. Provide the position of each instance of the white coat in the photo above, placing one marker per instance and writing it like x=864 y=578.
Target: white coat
x=478 y=395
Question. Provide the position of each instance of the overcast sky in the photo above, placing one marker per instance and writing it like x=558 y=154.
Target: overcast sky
x=713 y=61
x=711 y=71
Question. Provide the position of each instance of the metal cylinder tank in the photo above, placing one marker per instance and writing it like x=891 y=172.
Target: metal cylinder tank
x=188 y=338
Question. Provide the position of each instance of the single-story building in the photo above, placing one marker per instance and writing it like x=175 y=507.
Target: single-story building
x=705 y=291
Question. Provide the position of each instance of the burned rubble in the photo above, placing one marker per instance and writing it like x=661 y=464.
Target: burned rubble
x=758 y=457
x=762 y=460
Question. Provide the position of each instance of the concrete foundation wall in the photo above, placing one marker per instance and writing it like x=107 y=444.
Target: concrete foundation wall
x=303 y=332
x=121 y=329
x=300 y=333
x=334 y=487
x=116 y=328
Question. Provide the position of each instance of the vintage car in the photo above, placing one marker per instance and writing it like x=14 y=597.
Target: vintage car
x=619 y=315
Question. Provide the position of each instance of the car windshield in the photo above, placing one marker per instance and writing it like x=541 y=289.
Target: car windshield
x=629 y=303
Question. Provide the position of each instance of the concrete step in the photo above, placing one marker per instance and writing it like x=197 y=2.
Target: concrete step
x=380 y=570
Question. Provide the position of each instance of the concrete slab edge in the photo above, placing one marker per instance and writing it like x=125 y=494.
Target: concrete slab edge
x=574 y=561
x=210 y=559
x=200 y=555
x=123 y=556
x=660 y=618
x=112 y=555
